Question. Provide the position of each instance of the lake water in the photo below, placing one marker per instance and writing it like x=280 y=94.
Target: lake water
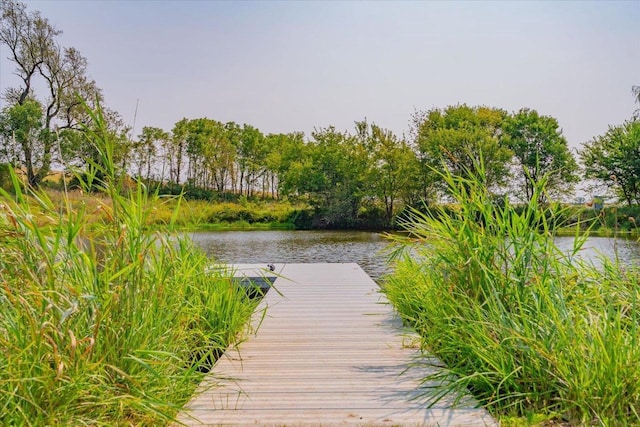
x=365 y=248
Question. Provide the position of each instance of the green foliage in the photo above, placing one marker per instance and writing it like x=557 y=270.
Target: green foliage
x=331 y=172
x=614 y=158
x=41 y=63
x=530 y=330
x=457 y=136
x=393 y=172
x=108 y=324
x=145 y=150
x=22 y=131
x=541 y=151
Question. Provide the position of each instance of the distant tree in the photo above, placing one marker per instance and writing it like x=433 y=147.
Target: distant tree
x=540 y=151
x=614 y=158
x=86 y=148
x=330 y=172
x=145 y=149
x=459 y=137
x=175 y=150
x=251 y=153
x=393 y=167
x=274 y=144
x=290 y=158
x=338 y=176
x=427 y=181
x=21 y=127
x=211 y=153
x=635 y=90
x=76 y=153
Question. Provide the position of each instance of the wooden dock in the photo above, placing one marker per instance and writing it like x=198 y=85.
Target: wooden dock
x=329 y=350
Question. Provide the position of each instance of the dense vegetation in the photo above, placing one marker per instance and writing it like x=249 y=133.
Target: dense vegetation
x=363 y=178
x=533 y=332
x=103 y=322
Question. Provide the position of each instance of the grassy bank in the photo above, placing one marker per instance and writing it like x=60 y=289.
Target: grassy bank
x=176 y=212
x=101 y=321
x=610 y=221
x=534 y=333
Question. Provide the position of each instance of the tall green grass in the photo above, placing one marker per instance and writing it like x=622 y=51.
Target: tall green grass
x=104 y=324
x=532 y=331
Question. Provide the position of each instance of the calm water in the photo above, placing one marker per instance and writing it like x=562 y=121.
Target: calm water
x=265 y=247
x=364 y=248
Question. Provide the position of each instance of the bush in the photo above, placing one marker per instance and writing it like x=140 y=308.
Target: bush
x=530 y=330
x=108 y=324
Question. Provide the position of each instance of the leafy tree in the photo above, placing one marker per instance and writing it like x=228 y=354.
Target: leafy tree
x=76 y=153
x=92 y=166
x=393 y=167
x=276 y=145
x=540 y=151
x=30 y=39
x=211 y=154
x=290 y=158
x=146 y=149
x=614 y=158
x=175 y=150
x=427 y=182
x=341 y=162
x=459 y=137
x=33 y=48
x=330 y=171
x=251 y=153
x=21 y=130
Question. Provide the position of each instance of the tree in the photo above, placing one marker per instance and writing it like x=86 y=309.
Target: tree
x=30 y=39
x=175 y=150
x=329 y=171
x=21 y=129
x=393 y=168
x=540 y=151
x=146 y=149
x=275 y=145
x=338 y=176
x=251 y=153
x=460 y=138
x=614 y=158
x=427 y=180
x=289 y=158
x=211 y=154
x=33 y=48
x=635 y=90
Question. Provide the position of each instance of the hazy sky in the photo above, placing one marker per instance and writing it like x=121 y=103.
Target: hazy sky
x=296 y=65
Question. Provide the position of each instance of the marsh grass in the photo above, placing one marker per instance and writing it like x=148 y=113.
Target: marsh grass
x=104 y=323
x=533 y=332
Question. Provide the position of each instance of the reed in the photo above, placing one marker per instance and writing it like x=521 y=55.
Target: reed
x=535 y=333
x=104 y=323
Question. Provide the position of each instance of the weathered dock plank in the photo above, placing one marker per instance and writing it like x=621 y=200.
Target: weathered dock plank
x=329 y=351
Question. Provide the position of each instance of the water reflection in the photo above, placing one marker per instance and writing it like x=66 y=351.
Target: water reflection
x=363 y=248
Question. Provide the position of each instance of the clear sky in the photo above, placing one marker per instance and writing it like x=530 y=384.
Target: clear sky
x=296 y=65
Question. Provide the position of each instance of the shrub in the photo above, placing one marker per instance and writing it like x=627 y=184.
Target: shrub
x=108 y=325
x=527 y=328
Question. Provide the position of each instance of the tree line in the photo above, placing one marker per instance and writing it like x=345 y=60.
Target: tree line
x=350 y=177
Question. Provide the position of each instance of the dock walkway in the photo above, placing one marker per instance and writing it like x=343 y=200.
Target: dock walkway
x=329 y=351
